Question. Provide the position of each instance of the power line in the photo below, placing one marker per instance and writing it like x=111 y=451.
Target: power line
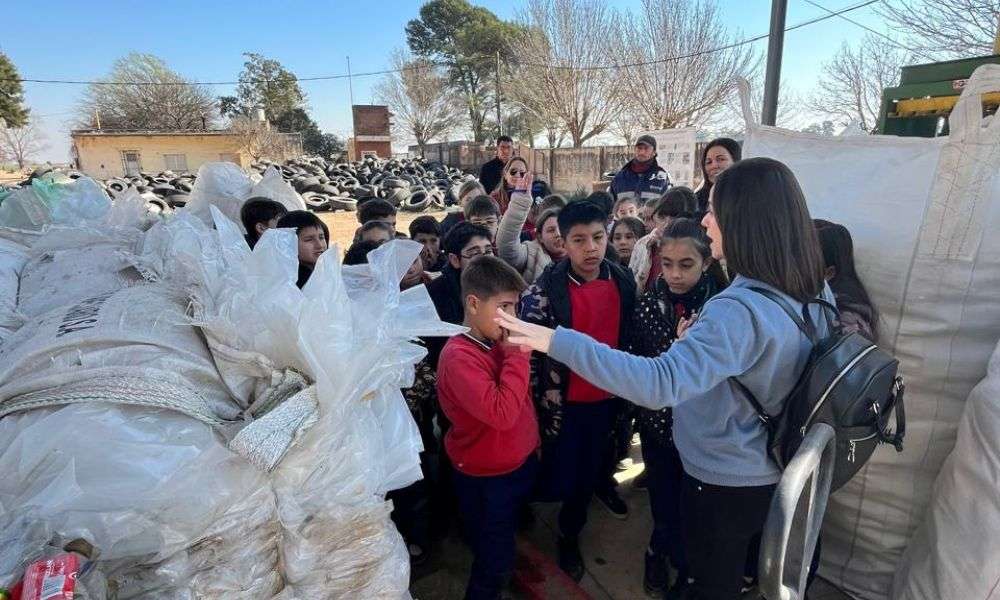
x=425 y=64
x=737 y=44
x=878 y=33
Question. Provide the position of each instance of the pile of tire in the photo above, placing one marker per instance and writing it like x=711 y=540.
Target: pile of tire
x=166 y=188
x=411 y=185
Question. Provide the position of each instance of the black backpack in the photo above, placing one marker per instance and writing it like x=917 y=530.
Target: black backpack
x=848 y=383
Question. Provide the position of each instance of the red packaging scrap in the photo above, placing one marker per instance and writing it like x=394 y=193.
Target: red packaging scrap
x=51 y=579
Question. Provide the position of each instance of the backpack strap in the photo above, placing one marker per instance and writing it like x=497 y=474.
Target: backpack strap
x=758 y=408
x=804 y=322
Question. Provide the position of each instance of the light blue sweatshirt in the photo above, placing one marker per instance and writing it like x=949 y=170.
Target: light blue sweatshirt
x=739 y=333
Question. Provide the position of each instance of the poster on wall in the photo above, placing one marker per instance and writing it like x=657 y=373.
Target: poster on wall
x=675 y=152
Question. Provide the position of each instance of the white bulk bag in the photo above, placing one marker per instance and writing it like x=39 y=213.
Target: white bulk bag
x=923 y=214
x=132 y=346
x=956 y=552
x=13 y=257
x=226 y=186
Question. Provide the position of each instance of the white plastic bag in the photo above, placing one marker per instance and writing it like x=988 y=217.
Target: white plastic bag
x=64 y=202
x=922 y=213
x=272 y=185
x=13 y=257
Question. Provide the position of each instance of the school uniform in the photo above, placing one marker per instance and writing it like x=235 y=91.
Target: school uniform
x=484 y=389
x=575 y=416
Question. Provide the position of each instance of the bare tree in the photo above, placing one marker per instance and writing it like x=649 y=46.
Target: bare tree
x=729 y=120
x=143 y=93
x=418 y=98
x=628 y=124
x=260 y=140
x=946 y=29
x=852 y=81
x=673 y=72
x=562 y=38
x=22 y=143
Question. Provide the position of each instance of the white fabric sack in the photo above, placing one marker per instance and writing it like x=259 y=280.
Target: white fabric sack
x=922 y=213
x=956 y=552
x=135 y=345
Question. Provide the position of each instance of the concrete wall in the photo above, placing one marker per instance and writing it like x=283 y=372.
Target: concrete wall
x=101 y=155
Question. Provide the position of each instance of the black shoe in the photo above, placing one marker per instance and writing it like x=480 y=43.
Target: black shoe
x=678 y=591
x=641 y=481
x=611 y=501
x=570 y=559
x=656 y=576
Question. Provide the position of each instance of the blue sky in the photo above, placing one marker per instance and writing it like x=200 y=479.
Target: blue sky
x=204 y=41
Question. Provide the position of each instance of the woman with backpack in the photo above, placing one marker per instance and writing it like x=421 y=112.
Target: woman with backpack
x=759 y=223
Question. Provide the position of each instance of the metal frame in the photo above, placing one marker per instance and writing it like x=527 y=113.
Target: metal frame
x=794 y=519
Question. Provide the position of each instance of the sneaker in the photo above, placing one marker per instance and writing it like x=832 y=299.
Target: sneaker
x=611 y=501
x=678 y=591
x=656 y=576
x=570 y=559
x=641 y=481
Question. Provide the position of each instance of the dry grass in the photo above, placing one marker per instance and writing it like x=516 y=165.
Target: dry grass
x=343 y=225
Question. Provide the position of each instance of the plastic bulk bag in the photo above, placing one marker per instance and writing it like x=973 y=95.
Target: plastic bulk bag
x=922 y=213
x=220 y=184
x=45 y=201
x=226 y=186
x=956 y=552
x=13 y=257
x=132 y=346
x=139 y=486
x=272 y=185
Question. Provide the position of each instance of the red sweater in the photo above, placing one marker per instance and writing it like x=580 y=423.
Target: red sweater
x=484 y=391
x=596 y=310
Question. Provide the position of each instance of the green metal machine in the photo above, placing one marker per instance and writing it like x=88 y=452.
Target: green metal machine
x=919 y=106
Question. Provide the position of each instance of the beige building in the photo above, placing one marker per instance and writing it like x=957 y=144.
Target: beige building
x=107 y=153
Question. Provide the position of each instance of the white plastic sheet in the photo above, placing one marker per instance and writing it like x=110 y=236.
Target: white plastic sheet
x=922 y=213
x=64 y=202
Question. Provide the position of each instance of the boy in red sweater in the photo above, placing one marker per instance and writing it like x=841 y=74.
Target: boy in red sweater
x=483 y=389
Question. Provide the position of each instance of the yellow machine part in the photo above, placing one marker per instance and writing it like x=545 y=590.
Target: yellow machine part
x=937 y=105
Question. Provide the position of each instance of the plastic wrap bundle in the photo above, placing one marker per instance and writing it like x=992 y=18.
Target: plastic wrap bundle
x=132 y=346
x=956 y=552
x=348 y=331
x=54 y=199
x=226 y=186
x=168 y=510
x=922 y=213
x=13 y=257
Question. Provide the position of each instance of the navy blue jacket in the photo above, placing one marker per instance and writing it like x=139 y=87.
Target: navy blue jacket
x=645 y=186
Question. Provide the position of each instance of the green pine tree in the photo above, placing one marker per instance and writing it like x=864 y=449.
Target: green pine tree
x=12 y=110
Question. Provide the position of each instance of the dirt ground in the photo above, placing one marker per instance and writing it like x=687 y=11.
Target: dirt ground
x=343 y=225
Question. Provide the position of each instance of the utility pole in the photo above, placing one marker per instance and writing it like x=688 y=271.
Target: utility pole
x=775 y=47
x=499 y=119
x=350 y=89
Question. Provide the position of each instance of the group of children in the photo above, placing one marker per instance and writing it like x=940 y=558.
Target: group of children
x=502 y=427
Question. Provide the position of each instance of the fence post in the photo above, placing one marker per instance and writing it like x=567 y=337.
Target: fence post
x=552 y=168
x=600 y=166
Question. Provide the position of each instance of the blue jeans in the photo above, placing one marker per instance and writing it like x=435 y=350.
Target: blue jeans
x=489 y=508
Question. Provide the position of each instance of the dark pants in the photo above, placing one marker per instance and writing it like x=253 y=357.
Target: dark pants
x=664 y=474
x=411 y=506
x=489 y=507
x=574 y=462
x=720 y=524
x=619 y=440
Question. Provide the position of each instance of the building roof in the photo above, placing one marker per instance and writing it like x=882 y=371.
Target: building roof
x=119 y=132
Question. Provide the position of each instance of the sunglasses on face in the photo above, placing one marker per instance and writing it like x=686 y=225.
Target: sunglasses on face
x=517 y=173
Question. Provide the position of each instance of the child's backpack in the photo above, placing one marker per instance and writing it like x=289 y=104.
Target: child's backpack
x=848 y=383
